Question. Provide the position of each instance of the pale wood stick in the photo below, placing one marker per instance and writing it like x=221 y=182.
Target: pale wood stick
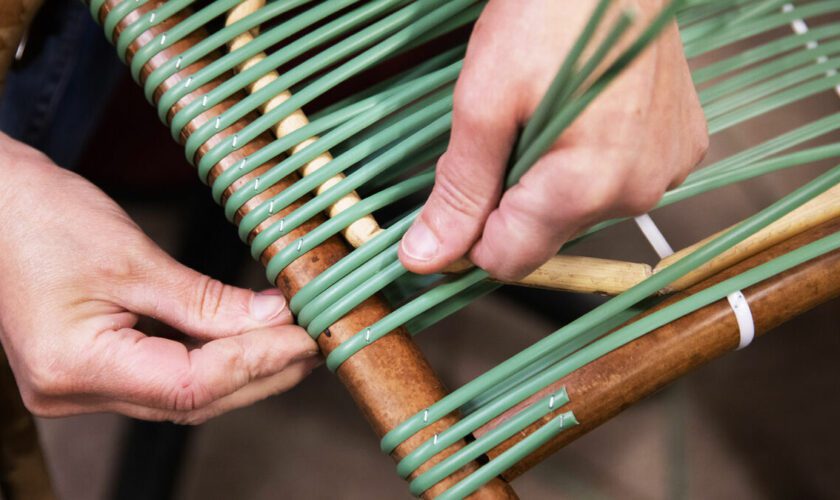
x=562 y=272
x=572 y=273
x=822 y=208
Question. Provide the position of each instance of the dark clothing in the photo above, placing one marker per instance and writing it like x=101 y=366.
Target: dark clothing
x=56 y=92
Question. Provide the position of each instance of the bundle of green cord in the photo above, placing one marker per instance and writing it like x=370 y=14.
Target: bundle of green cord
x=385 y=136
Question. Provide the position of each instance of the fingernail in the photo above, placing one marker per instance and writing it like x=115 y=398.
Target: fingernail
x=267 y=304
x=420 y=243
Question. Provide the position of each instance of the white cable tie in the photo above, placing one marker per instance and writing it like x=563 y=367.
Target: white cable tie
x=654 y=236
x=743 y=315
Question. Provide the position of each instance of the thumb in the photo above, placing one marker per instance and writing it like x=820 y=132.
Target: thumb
x=469 y=176
x=200 y=306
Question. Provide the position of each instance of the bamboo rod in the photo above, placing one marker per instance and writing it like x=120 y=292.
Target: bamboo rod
x=822 y=208
x=605 y=387
x=390 y=380
x=572 y=273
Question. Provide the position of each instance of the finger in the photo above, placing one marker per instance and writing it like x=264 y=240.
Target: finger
x=251 y=393
x=555 y=198
x=200 y=306
x=255 y=391
x=163 y=374
x=468 y=179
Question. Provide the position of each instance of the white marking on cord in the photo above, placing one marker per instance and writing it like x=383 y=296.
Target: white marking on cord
x=800 y=27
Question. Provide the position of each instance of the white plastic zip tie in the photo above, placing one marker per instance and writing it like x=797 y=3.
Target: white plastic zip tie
x=737 y=300
x=743 y=314
x=654 y=236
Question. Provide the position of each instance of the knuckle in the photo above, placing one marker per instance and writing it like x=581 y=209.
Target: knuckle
x=594 y=196
x=47 y=379
x=700 y=143
x=642 y=198
x=38 y=405
x=454 y=190
x=207 y=298
x=188 y=395
x=478 y=109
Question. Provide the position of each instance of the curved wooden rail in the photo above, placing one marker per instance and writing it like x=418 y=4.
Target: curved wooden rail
x=390 y=380
x=604 y=388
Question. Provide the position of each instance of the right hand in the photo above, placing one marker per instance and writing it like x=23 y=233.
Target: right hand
x=75 y=274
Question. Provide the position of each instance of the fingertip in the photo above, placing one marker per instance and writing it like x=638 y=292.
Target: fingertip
x=419 y=249
x=270 y=307
x=298 y=342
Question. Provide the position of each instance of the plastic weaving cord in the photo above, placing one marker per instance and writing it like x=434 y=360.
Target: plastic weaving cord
x=400 y=316
x=558 y=86
x=385 y=132
x=340 y=134
x=507 y=459
x=350 y=262
x=487 y=442
x=212 y=42
x=229 y=176
x=178 y=32
x=762 y=52
x=116 y=15
x=685 y=306
x=418 y=24
x=347 y=284
x=451 y=306
x=344 y=305
x=755 y=92
x=617 y=304
x=263 y=41
x=552 y=357
x=401 y=151
x=153 y=18
x=339 y=164
x=334 y=225
x=773 y=68
x=704 y=42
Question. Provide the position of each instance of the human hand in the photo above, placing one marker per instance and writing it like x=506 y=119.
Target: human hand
x=641 y=136
x=76 y=273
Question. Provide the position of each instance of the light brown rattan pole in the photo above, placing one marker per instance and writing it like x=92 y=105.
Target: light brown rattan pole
x=23 y=472
x=389 y=380
x=822 y=208
x=605 y=387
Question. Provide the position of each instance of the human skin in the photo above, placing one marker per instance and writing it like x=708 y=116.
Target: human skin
x=643 y=135
x=77 y=273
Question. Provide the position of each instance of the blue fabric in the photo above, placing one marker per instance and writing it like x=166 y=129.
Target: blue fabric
x=55 y=95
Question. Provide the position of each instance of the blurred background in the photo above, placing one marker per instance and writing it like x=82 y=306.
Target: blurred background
x=759 y=423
